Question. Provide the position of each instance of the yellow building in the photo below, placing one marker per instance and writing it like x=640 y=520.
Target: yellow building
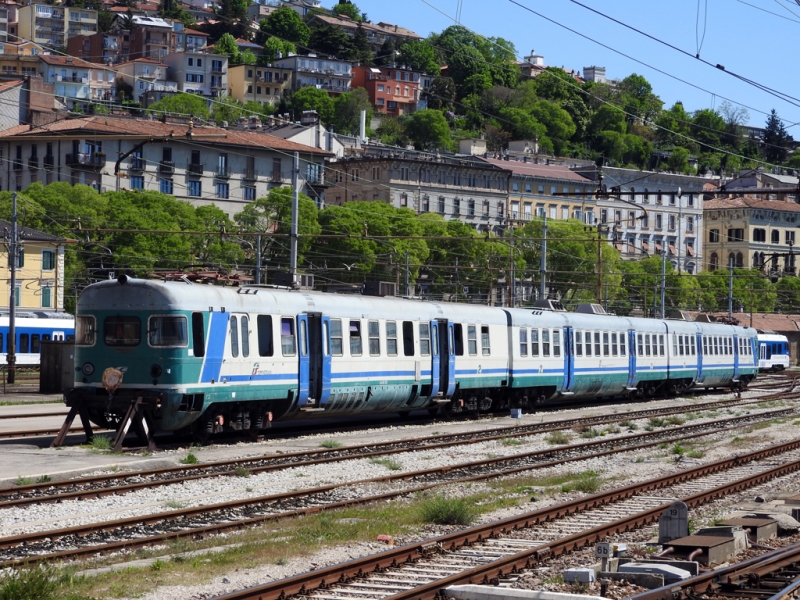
x=54 y=25
x=752 y=233
x=262 y=84
x=40 y=272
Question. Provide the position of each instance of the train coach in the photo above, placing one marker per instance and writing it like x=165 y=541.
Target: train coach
x=202 y=358
x=31 y=328
x=773 y=352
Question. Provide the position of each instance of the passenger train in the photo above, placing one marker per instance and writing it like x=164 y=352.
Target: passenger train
x=31 y=328
x=204 y=358
x=773 y=352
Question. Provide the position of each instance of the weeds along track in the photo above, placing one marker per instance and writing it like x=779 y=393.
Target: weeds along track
x=131 y=481
x=154 y=528
x=502 y=549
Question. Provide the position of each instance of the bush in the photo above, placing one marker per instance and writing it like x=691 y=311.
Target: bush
x=38 y=583
x=190 y=459
x=587 y=482
x=447 y=511
x=330 y=444
x=557 y=437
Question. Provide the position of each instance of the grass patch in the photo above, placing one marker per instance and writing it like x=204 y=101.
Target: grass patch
x=389 y=463
x=628 y=424
x=174 y=504
x=674 y=420
x=241 y=472
x=655 y=423
x=587 y=482
x=507 y=441
x=39 y=583
x=23 y=480
x=555 y=438
x=447 y=511
x=589 y=432
x=695 y=454
x=679 y=450
x=190 y=459
x=100 y=442
x=330 y=444
x=613 y=429
x=44 y=479
x=761 y=425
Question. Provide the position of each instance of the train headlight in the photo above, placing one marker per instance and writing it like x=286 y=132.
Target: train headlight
x=88 y=368
x=155 y=371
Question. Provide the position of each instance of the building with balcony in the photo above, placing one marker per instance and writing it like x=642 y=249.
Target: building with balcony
x=16 y=65
x=77 y=82
x=262 y=84
x=377 y=33
x=471 y=191
x=150 y=38
x=329 y=74
x=199 y=73
x=202 y=165
x=20 y=49
x=392 y=90
x=101 y=47
x=752 y=233
x=302 y=7
x=52 y=25
x=146 y=75
x=188 y=40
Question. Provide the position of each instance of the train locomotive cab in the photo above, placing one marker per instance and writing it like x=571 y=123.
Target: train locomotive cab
x=773 y=352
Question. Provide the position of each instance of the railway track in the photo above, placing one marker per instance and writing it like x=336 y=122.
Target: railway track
x=198 y=521
x=500 y=550
x=121 y=483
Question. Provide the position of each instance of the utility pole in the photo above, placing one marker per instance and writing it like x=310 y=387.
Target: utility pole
x=543 y=264
x=730 y=288
x=512 y=287
x=13 y=255
x=407 y=290
x=663 y=281
x=295 y=216
x=599 y=266
x=258 y=260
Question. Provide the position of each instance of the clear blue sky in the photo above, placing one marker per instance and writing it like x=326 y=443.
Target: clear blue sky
x=748 y=41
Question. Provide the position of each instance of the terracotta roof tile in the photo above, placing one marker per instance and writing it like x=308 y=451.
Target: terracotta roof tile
x=779 y=323
x=52 y=59
x=121 y=126
x=7 y=85
x=538 y=170
x=750 y=202
x=194 y=32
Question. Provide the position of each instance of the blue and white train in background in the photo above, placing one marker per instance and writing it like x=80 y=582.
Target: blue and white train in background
x=773 y=352
x=31 y=328
x=205 y=358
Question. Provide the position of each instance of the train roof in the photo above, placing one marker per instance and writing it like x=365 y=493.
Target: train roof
x=25 y=313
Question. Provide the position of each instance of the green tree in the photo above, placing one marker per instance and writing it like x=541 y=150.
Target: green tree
x=227 y=45
x=274 y=213
x=637 y=98
x=215 y=251
x=637 y=151
x=333 y=41
x=105 y=19
x=348 y=9
x=419 y=56
x=392 y=132
x=707 y=127
x=428 y=128
x=787 y=291
x=310 y=98
x=274 y=49
x=678 y=160
x=363 y=51
x=776 y=138
x=185 y=105
x=441 y=94
x=557 y=121
x=608 y=118
x=522 y=125
x=233 y=9
x=347 y=110
x=247 y=57
x=673 y=125
x=228 y=109
x=286 y=24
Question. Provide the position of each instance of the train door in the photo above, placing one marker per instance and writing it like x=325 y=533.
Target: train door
x=217 y=333
x=631 y=359
x=569 y=360
x=447 y=357
x=735 y=357
x=314 y=355
x=699 y=341
x=435 y=362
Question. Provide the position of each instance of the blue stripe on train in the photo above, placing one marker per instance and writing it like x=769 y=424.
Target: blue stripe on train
x=215 y=349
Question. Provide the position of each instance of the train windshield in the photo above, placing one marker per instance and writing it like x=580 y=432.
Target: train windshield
x=168 y=331
x=122 y=331
x=85 y=330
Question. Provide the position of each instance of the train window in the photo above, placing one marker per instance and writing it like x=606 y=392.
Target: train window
x=647 y=344
x=545 y=342
x=2 y=349
x=408 y=338
x=613 y=344
x=245 y=322
x=459 y=339
x=556 y=342
x=691 y=341
x=336 y=337
x=265 y=339
x=534 y=342
x=597 y=343
x=472 y=340
x=674 y=344
x=424 y=339
x=85 y=329
x=287 y=336
x=199 y=335
x=717 y=345
x=622 y=344
x=605 y=344
x=639 y=339
x=391 y=338
x=435 y=340
x=167 y=331
x=523 y=341
x=587 y=340
x=374 y=332
x=486 y=349
x=682 y=345
x=303 y=335
x=122 y=331
x=355 y=338
x=234 y=337
x=23 y=343
x=661 y=344
x=35 y=348
x=578 y=343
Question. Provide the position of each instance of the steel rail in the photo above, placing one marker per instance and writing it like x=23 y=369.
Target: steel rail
x=559 y=511
x=495 y=570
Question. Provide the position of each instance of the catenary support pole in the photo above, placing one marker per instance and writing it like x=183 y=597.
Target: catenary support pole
x=543 y=264
x=663 y=281
x=295 y=216
x=13 y=256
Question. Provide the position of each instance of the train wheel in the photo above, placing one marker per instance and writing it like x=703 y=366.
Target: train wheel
x=433 y=411
x=203 y=429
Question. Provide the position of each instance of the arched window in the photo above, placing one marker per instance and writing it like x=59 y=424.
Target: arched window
x=633 y=194
x=714 y=264
x=739 y=260
x=756 y=261
x=731 y=259
x=646 y=196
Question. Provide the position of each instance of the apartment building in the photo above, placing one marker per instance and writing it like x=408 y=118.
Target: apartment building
x=102 y=47
x=203 y=165
x=751 y=233
x=77 y=82
x=197 y=73
x=377 y=33
x=146 y=75
x=151 y=37
x=53 y=25
x=393 y=91
x=456 y=188
x=262 y=84
x=329 y=74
